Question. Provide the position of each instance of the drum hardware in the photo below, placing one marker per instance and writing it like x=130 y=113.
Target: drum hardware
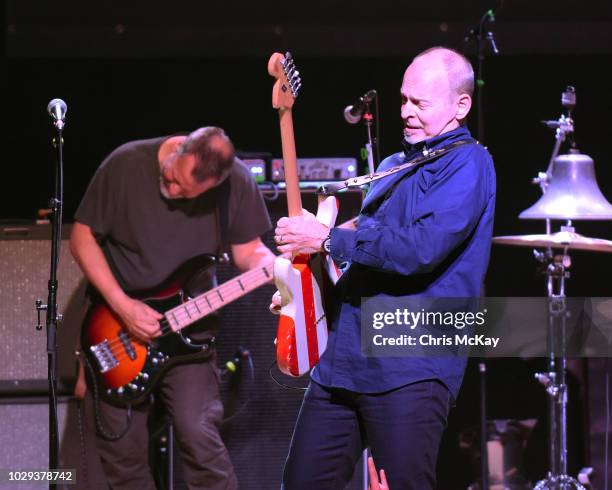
x=506 y=440
x=554 y=380
x=570 y=192
x=563 y=239
x=569 y=187
x=556 y=269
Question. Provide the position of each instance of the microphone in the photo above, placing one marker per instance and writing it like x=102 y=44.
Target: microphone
x=57 y=109
x=353 y=113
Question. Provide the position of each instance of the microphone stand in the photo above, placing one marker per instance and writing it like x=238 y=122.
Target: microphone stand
x=483 y=37
x=372 y=144
x=52 y=317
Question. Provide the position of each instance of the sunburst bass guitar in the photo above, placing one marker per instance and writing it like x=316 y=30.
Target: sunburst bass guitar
x=126 y=368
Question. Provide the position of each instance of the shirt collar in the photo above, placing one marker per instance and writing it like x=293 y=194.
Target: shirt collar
x=429 y=144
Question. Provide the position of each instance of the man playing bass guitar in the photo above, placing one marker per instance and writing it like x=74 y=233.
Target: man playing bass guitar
x=152 y=206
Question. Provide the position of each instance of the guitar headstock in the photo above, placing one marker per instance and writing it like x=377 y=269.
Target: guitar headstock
x=288 y=81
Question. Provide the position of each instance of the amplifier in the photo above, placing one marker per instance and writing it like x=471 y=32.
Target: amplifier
x=258 y=434
x=258 y=162
x=25 y=254
x=318 y=169
x=257 y=167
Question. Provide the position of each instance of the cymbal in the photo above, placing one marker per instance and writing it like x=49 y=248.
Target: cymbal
x=573 y=193
x=561 y=239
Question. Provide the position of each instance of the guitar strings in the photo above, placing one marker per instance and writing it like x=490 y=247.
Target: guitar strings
x=181 y=312
x=178 y=314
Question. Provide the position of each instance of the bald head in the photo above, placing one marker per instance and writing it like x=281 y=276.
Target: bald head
x=458 y=68
x=436 y=93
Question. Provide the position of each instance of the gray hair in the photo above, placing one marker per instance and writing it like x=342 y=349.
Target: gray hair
x=213 y=150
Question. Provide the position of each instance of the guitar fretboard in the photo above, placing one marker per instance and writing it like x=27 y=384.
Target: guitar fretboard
x=214 y=299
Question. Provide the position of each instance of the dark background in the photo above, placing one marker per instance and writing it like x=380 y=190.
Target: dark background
x=147 y=69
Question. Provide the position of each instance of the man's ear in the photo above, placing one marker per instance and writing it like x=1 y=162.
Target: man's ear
x=464 y=104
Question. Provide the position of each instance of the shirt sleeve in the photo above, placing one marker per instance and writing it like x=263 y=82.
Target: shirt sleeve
x=98 y=206
x=248 y=216
x=444 y=218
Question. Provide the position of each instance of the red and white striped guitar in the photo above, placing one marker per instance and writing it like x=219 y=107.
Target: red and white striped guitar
x=302 y=328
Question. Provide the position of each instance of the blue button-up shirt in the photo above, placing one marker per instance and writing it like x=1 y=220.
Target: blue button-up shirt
x=425 y=231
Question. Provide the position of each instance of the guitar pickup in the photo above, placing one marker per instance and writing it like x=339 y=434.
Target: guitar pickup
x=104 y=356
x=127 y=345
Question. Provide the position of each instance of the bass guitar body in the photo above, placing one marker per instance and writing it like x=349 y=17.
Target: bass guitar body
x=125 y=368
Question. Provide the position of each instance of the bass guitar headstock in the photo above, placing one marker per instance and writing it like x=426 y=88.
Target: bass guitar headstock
x=288 y=81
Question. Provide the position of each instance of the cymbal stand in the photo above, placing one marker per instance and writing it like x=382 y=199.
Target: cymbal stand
x=557 y=271
x=563 y=127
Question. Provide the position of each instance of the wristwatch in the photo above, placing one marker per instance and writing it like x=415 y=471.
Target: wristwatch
x=326 y=244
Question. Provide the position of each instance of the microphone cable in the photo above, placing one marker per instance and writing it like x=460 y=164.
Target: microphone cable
x=232 y=367
x=280 y=383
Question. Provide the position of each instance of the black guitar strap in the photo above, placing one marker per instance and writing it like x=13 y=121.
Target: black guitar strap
x=222 y=218
x=426 y=155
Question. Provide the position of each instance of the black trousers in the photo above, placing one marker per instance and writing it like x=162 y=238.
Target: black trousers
x=190 y=393
x=403 y=428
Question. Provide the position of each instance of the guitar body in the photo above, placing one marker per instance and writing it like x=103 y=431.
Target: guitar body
x=126 y=367
x=302 y=283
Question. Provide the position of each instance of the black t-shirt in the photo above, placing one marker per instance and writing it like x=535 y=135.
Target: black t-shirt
x=145 y=237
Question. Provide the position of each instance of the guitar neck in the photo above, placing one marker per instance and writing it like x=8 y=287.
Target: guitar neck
x=216 y=298
x=292 y=182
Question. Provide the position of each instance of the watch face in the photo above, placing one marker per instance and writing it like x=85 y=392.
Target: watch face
x=327 y=245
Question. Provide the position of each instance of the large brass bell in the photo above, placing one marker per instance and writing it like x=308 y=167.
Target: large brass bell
x=572 y=192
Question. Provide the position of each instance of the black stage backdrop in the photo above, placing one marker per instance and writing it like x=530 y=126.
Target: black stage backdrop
x=111 y=101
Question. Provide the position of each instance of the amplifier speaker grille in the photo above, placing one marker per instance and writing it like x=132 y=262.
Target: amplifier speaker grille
x=25 y=253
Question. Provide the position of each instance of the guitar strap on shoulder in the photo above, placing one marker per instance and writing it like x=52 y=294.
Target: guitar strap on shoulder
x=222 y=218
x=426 y=155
